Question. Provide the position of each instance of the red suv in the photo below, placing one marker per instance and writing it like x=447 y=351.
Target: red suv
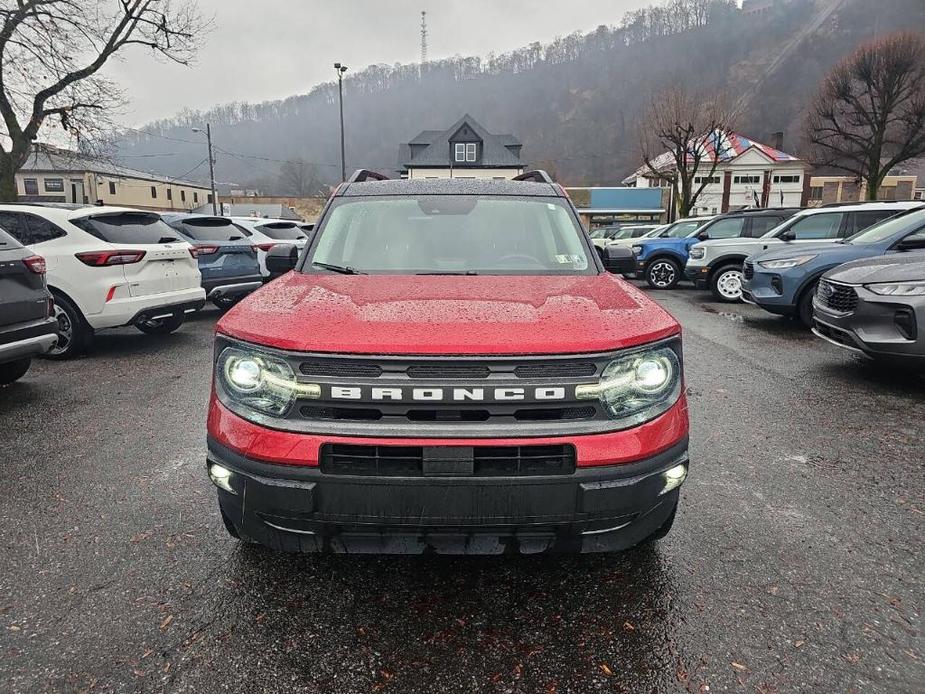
x=451 y=367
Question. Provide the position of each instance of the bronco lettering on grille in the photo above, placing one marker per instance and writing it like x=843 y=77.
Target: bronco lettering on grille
x=431 y=394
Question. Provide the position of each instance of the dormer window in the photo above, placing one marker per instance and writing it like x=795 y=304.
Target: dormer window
x=465 y=151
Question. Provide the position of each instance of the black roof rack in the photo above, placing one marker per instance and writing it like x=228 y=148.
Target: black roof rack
x=361 y=175
x=537 y=176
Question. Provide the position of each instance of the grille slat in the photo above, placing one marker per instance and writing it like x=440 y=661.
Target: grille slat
x=748 y=270
x=338 y=368
x=838 y=297
x=408 y=461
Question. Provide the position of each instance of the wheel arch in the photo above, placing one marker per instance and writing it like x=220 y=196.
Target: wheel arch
x=724 y=262
x=56 y=292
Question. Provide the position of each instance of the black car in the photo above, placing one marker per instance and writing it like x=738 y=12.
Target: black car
x=27 y=324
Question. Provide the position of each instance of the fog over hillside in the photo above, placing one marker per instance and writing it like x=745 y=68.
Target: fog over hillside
x=575 y=103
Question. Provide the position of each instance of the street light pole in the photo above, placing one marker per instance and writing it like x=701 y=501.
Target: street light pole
x=340 y=70
x=211 y=165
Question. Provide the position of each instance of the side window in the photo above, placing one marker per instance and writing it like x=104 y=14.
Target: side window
x=818 y=226
x=868 y=218
x=29 y=229
x=762 y=225
x=917 y=237
x=726 y=228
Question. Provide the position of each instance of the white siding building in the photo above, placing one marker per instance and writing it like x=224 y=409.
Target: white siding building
x=747 y=174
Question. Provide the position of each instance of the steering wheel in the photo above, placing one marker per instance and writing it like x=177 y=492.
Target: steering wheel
x=531 y=261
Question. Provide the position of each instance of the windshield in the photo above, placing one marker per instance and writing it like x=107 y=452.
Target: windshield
x=282 y=231
x=451 y=234
x=910 y=221
x=211 y=229
x=681 y=230
x=128 y=227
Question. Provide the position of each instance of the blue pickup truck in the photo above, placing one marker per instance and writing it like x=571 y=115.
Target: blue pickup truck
x=660 y=261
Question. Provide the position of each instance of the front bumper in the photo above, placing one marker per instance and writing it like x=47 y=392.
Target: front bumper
x=697 y=274
x=27 y=339
x=301 y=509
x=774 y=291
x=880 y=326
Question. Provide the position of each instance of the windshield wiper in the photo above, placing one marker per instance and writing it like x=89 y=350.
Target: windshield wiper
x=342 y=269
x=449 y=272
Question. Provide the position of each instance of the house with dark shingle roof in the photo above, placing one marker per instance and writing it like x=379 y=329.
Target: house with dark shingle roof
x=464 y=150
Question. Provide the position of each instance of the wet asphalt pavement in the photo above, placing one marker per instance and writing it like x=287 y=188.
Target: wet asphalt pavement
x=795 y=563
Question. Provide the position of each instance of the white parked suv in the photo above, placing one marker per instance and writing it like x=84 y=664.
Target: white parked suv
x=717 y=264
x=266 y=233
x=108 y=267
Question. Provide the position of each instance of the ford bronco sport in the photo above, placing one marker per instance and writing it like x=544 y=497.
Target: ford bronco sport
x=448 y=367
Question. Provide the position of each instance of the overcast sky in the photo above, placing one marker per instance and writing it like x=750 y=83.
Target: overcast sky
x=270 y=49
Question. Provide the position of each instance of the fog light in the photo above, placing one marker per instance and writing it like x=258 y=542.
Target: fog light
x=673 y=478
x=221 y=477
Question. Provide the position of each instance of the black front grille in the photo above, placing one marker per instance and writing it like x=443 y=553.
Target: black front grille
x=448 y=371
x=411 y=461
x=563 y=370
x=364 y=413
x=838 y=297
x=339 y=368
x=748 y=270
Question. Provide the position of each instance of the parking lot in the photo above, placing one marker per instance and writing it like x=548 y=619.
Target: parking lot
x=795 y=563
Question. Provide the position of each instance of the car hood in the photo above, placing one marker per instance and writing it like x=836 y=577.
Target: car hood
x=831 y=250
x=398 y=314
x=895 y=267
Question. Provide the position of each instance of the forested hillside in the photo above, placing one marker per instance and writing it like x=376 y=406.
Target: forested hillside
x=575 y=103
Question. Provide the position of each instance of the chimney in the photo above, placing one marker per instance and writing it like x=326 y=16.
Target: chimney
x=777 y=140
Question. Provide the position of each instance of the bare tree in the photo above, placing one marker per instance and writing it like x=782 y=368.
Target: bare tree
x=300 y=178
x=682 y=140
x=51 y=53
x=869 y=113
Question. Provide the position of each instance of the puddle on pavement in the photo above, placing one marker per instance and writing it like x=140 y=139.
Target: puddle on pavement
x=778 y=326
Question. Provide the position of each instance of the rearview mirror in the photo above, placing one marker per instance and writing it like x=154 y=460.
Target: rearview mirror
x=619 y=260
x=282 y=258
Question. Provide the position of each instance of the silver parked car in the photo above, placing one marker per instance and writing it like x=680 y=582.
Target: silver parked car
x=875 y=306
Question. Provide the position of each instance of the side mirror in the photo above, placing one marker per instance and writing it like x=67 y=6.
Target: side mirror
x=910 y=244
x=619 y=260
x=282 y=258
x=703 y=236
x=788 y=235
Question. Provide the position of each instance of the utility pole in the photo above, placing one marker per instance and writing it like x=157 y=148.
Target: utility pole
x=340 y=70
x=208 y=132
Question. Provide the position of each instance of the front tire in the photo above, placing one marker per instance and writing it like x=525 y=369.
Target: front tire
x=13 y=370
x=161 y=326
x=726 y=284
x=74 y=334
x=663 y=273
x=805 y=307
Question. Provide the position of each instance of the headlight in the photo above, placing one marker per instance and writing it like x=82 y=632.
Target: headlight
x=638 y=386
x=260 y=381
x=697 y=253
x=786 y=263
x=637 y=250
x=916 y=288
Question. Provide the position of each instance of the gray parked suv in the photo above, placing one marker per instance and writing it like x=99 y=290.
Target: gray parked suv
x=27 y=324
x=875 y=306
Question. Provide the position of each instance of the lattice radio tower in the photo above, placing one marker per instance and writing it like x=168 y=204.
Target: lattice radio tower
x=423 y=37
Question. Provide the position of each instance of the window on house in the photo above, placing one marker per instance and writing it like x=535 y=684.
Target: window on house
x=787 y=179
x=112 y=187
x=465 y=151
x=154 y=192
x=815 y=193
x=30 y=186
x=209 y=198
x=169 y=194
x=195 y=196
x=54 y=185
x=747 y=179
x=709 y=180
x=182 y=196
